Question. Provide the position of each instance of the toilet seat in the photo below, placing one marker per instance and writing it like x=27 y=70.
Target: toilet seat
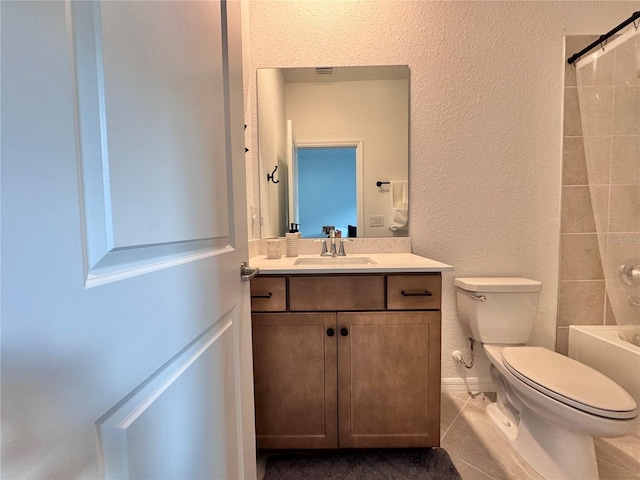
x=569 y=382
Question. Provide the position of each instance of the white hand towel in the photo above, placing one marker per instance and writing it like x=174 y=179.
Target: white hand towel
x=399 y=196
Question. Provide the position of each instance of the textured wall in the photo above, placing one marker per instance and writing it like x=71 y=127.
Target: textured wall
x=485 y=127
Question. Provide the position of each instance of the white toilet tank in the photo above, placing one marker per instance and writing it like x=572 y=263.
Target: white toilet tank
x=498 y=309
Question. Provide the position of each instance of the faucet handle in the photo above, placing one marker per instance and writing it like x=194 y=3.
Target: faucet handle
x=324 y=248
x=342 y=253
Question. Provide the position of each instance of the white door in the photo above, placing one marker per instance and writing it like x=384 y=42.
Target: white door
x=125 y=324
x=292 y=162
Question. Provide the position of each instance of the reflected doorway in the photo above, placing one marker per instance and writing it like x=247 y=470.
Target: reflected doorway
x=327 y=193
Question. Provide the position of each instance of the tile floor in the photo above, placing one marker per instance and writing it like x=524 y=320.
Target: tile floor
x=481 y=453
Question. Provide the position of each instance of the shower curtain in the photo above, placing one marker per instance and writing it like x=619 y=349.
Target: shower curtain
x=609 y=95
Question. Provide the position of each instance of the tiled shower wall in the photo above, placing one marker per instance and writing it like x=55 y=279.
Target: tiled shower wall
x=582 y=299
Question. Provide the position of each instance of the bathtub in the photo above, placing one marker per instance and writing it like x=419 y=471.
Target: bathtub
x=601 y=348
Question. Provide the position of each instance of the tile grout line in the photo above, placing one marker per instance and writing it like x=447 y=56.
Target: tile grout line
x=514 y=455
x=600 y=459
x=453 y=421
x=476 y=468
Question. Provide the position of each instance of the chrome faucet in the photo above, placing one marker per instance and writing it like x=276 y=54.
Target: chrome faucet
x=332 y=252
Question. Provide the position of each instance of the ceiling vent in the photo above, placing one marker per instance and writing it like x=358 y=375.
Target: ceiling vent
x=325 y=70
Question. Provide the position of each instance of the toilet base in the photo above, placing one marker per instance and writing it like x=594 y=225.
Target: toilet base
x=553 y=452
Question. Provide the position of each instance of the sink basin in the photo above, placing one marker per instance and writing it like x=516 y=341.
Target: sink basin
x=348 y=260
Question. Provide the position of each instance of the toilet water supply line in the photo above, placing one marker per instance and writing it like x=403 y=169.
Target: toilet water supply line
x=457 y=355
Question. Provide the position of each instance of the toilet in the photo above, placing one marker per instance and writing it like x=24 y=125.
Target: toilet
x=549 y=406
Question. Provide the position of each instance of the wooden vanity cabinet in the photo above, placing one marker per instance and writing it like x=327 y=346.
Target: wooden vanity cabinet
x=350 y=361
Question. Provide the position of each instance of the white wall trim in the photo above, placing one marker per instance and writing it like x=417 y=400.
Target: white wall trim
x=471 y=384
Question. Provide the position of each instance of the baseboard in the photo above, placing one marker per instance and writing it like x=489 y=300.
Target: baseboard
x=472 y=384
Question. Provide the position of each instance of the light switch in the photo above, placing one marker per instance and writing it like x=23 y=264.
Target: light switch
x=376 y=220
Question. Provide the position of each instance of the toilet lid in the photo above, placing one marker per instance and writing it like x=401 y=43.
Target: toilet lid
x=569 y=381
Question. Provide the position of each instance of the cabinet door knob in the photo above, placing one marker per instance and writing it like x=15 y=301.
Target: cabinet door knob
x=330 y=332
x=344 y=332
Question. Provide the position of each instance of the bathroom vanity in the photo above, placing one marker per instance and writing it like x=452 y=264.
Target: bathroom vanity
x=347 y=351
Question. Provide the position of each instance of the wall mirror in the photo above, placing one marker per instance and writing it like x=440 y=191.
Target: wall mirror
x=333 y=146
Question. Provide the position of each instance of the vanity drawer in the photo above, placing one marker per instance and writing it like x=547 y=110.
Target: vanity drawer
x=413 y=292
x=268 y=294
x=331 y=293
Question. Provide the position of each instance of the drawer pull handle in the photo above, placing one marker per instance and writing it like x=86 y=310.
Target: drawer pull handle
x=268 y=295
x=344 y=332
x=331 y=332
x=426 y=293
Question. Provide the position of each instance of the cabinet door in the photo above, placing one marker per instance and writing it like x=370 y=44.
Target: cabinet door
x=294 y=366
x=389 y=379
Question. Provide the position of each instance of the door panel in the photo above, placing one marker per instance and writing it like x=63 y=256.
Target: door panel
x=172 y=423
x=150 y=122
x=123 y=229
x=163 y=107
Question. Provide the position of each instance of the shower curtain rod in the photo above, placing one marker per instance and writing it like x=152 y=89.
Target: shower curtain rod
x=604 y=38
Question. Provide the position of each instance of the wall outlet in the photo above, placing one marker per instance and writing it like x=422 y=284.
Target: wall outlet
x=376 y=220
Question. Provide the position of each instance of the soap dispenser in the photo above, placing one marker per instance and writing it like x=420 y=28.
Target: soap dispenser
x=291 y=241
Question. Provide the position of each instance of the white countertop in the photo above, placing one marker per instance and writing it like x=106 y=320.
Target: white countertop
x=383 y=263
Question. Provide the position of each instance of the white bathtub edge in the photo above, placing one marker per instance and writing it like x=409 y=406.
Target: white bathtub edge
x=600 y=348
